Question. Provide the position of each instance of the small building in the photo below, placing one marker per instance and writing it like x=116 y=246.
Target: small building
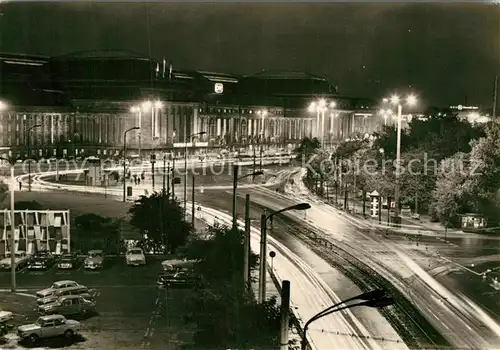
x=473 y=222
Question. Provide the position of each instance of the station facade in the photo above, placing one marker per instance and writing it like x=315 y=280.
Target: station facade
x=82 y=104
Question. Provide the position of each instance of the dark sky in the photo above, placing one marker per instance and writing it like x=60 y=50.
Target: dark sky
x=443 y=52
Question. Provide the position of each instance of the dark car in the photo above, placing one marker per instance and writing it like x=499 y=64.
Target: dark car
x=67 y=261
x=41 y=260
x=181 y=278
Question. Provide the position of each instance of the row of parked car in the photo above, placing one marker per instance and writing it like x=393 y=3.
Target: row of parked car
x=43 y=260
x=65 y=298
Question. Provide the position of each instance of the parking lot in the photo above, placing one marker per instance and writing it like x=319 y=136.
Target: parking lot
x=132 y=311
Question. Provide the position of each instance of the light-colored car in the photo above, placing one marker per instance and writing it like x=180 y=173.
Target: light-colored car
x=135 y=257
x=68 y=305
x=55 y=287
x=48 y=327
x=94 y=260
x=77 y=290
x=21 y=260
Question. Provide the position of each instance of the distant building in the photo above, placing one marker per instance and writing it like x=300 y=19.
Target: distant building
x=85 y=101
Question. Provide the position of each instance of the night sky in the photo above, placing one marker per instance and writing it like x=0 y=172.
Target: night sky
x=446 y=53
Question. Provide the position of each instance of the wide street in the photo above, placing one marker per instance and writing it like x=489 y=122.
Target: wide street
x=309 y=239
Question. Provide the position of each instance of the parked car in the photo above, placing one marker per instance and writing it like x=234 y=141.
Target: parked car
x=405 y=211
x=41 y=260
x=21 y=260
x=179 y=279
x=48 y=327
x=135 y=257
x=76 y=290
x=55 y=287
x=67 y=261
x=6 y=318
x=68 y=305
x=94 y=260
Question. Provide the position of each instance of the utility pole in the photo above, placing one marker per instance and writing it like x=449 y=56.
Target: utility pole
x=262 y=259
x=285 y=314
x=246 y=243
x=164 y=172
x=495 y=96
x=235 y=185
x=153 y=160
x=173 y=178
x=168 y=178
x=192 y=203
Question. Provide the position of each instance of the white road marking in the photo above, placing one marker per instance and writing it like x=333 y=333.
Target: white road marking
x=26 y=295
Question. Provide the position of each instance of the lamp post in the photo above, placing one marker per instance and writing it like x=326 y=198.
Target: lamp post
x=12 y=241
x=125 y=159
x=235 y=185
x=263 y=245
x=385 y=113
x=320 y=107
x=28 y=135
x=411 y=100
x=191 y=137
x=376 y=298
x=138 y=111
x=263 y=114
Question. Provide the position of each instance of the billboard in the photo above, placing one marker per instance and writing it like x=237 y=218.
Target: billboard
x=36 y=230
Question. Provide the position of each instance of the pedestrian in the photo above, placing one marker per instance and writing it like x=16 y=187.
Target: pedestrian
x=20 y=186
x=138 y=181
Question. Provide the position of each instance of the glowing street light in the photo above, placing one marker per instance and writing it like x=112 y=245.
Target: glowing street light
x=394 y=99
x=320 y=107
x=3 y=106
x=411 y=100
x=158 y=104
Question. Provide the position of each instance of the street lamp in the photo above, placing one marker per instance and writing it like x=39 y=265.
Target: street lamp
x=263 y=245
x=125 y=159
x=385 y=113
x=375 y=298
x=28 y=135
x=263 y=114
x=138 y=111
x=320 y=107
x=191 y=137
x=3 y=106
x=410 y=100
x=12 y=226
x=235 y=185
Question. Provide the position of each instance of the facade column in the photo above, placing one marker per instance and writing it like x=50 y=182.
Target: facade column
x=249 y=127
x=218 y=127
x=194 y=127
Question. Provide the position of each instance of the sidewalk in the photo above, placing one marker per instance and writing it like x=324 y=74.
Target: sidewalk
x=356 y=208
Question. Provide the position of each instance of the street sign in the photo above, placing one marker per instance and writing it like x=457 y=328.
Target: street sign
x=177 y=180
x=272 y=254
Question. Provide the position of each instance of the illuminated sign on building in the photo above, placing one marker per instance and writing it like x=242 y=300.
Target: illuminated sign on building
x=219 y=88
x=461 y=108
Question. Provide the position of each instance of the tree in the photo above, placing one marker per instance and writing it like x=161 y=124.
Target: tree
x=226 y=315
x=221 y=256
x=440 y=136
x=97 y=232
x=307 y=148
x=470 y=182
x=161 y=218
